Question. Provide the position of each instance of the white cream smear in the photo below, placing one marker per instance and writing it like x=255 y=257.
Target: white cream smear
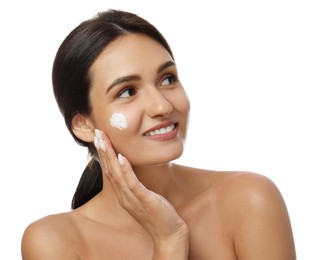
x=118 y=120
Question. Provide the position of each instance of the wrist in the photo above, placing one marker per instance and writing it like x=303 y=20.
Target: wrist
x=173 y=247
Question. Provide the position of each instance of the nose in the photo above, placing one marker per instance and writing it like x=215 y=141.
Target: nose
x=157 y=104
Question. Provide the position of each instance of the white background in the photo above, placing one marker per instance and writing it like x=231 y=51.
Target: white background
x=249 y=68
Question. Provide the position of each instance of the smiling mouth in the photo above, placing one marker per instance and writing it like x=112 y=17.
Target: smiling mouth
x=162 y=130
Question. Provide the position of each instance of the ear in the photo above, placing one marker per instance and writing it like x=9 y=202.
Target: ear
x=83 y=128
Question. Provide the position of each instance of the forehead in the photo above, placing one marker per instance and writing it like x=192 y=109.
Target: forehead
x=129 y=54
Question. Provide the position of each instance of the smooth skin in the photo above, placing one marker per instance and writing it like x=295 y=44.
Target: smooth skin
x=151 y=208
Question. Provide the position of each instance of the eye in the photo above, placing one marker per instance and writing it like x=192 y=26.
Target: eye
x=127 y=92
x=169 y=80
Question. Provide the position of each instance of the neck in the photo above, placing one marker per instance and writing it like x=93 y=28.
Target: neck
x=159 y=179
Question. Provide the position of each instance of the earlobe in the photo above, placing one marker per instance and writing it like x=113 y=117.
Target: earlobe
x=83 y=128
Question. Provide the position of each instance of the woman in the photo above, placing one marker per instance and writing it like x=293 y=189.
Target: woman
x=116 y=83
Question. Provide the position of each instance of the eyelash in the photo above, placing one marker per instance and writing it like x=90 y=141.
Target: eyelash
x=172 y=79
x=125 y=90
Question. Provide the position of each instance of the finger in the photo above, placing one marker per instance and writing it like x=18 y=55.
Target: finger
x=131 y=180
x=109 y=161
x=100 y=135
x=101 y=148
x=109 y=153
x=121 y=175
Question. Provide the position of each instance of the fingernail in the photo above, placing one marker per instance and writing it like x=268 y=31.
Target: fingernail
x=98 y=133
x=102 y=145
x=96 y=143
x=120 y=159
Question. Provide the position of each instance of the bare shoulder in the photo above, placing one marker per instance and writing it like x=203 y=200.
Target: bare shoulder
x=228 y=185
x=249 y=188
x=242 y=194
x=246 y=185
x=256 y=215
x=49 y=238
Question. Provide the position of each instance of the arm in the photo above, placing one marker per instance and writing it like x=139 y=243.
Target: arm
x=262 y=228
x=156 y=215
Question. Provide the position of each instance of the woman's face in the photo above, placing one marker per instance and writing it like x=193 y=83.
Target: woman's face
x=138 y=100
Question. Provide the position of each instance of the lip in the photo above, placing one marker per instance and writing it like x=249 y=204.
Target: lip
x=165 y=136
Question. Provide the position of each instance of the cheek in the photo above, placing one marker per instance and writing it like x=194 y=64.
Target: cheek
x=121 y=126
x=181 y=102
x=123 y=122
x=182 y=106
x=119 y=121
x=186 y=104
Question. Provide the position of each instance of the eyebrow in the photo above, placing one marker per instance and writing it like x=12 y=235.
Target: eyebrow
x=165 y=66
x=136 y=77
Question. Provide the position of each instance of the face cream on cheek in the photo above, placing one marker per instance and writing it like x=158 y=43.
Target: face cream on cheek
x=118 y=120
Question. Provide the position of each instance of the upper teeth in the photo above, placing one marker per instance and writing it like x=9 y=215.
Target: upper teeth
x=160 y=131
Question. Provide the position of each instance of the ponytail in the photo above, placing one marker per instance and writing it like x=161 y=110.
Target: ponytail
x=90 y=184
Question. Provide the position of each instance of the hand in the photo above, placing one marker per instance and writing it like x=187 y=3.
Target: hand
x=156 y=215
